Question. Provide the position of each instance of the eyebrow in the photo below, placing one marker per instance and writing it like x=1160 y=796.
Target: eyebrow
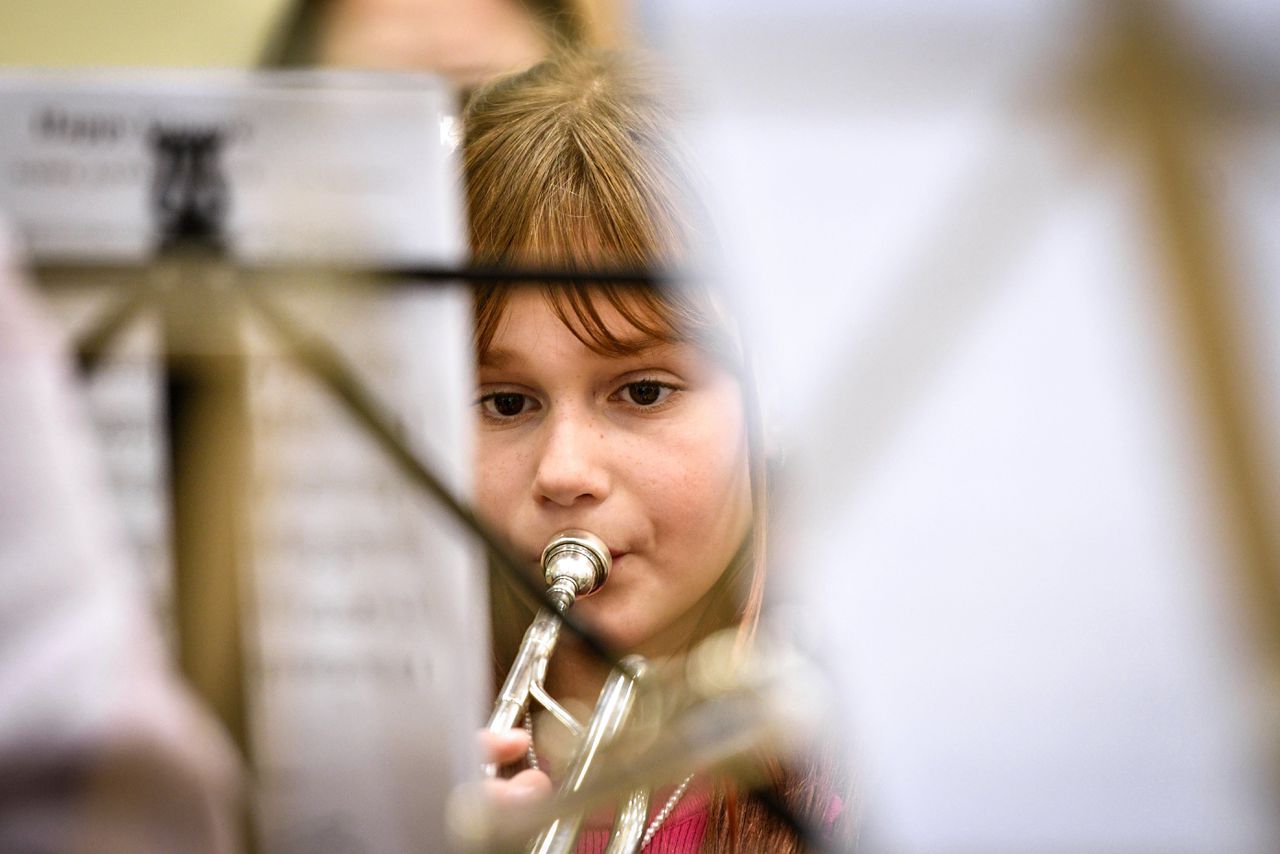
x=498 y=357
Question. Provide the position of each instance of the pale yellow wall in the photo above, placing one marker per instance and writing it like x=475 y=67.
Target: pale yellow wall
x=136 y=32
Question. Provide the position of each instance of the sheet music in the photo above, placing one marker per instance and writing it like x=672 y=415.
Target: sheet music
x=363 y=636
x=359 y=172
x=366 y=658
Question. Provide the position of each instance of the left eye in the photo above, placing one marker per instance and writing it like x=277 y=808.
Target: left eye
x=505 y=405
x=646 y=392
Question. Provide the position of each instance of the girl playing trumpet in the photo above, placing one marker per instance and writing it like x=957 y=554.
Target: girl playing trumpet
x=620 y=411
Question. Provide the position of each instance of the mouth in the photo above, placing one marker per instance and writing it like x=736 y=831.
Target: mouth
x=534 y=559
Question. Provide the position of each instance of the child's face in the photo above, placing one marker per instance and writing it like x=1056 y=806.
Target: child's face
x=647 y=451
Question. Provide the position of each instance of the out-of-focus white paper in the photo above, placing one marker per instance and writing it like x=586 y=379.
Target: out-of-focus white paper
x=366 y=659
x=997 y=513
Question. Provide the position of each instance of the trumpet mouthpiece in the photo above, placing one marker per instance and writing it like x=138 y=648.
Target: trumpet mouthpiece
x=576 y=563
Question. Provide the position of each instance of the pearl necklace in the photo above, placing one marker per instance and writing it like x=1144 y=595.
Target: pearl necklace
x=658 y=819
x=670 y=805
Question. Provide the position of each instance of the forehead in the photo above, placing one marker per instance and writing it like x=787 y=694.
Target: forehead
x=607 y=323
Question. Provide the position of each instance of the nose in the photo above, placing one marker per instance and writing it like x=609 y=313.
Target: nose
x=571 y=468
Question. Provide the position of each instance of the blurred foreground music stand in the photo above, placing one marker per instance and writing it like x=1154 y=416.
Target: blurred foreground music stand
x=206 y=423
x=891 y=452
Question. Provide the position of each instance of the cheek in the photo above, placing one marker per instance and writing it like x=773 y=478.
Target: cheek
x=498 y=473
x=701 y=487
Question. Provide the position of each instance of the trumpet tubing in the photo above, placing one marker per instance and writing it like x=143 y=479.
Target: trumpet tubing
x=612 y=709
x=574 y=564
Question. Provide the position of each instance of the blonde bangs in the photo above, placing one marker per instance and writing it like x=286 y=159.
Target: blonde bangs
x=567 y=167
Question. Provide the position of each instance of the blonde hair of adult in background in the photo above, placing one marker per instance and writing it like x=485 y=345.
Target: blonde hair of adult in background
x=569 y=164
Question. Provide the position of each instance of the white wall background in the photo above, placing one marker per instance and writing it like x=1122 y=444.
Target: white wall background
x=998 y=508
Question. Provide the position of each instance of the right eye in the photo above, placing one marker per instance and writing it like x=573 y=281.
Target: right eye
x=505 y=404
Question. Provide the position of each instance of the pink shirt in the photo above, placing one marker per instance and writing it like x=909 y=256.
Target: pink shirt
x=681 y=833
x=684 y=829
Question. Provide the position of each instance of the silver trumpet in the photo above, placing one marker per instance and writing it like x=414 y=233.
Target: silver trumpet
x=713 y=712
x=575 y=564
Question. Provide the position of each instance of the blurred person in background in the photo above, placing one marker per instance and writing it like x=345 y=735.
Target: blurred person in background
x=101 y=747
x=466 y=41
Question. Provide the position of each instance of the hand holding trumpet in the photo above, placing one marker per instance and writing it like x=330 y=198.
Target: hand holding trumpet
x=526 y=787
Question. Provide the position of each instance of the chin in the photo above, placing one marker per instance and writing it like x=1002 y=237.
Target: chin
x=619 y=637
